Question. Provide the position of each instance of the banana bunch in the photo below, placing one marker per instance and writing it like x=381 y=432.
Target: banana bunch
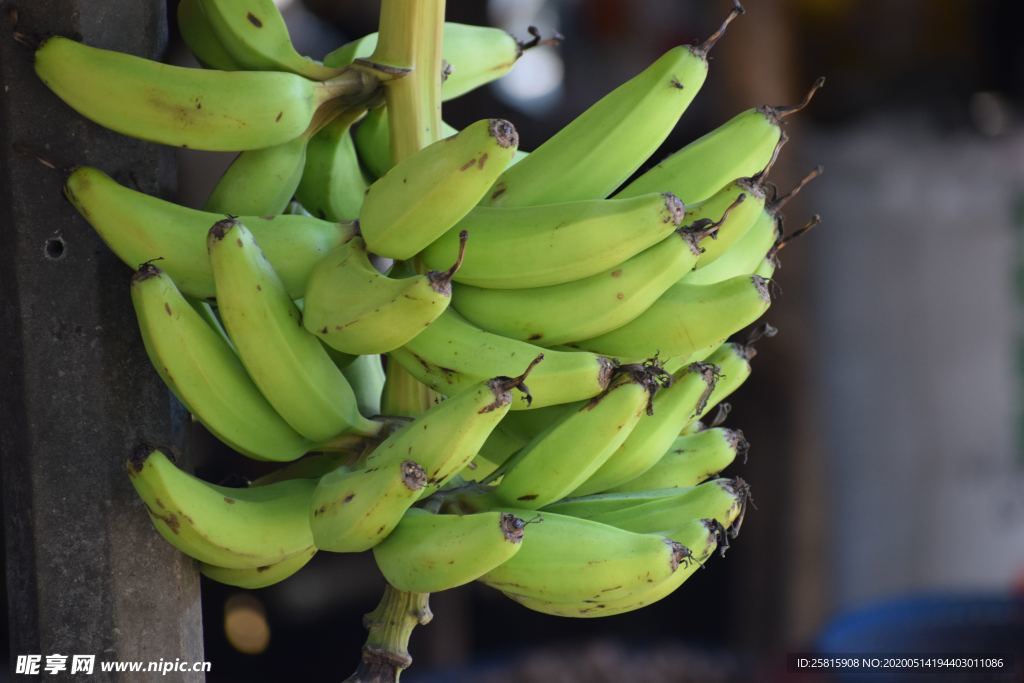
x=572 y=325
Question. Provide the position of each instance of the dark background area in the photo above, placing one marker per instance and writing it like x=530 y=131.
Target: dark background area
x=884 y=418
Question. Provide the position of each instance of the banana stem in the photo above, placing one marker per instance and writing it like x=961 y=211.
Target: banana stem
x=411 y=38
x=390 y=624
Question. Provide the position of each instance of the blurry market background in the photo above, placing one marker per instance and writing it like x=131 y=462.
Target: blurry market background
x=885 y=418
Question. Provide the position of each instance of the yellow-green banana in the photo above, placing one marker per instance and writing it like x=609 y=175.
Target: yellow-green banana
x=698 y=537
x=333 y=183
x=743 y=257
x=690 y=460
x=354 y=308
x=198 y=108
x=427 y=553
x=736 y=207
x=254 y=33
x=198 y=35
x=584 y=308
x=673 y=407
x=445 y=438
x=260 y=577
x=202 y=370
x=685 y=319
x=234 y=528
x=430 y=191
x=604 y=145
x=452 y=354
x=741 y=147
x=286 y=362
x=141 y=228
x=592 y=505
x=733 y=362
x=260 y=182
x=568 y=559
x=354 y=510
x=562 y=457
x=536 y=246
x=723 y=500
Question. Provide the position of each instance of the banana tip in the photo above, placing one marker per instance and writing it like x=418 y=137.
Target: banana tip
x=512 y=527
x=220 y=229
x=504 y=133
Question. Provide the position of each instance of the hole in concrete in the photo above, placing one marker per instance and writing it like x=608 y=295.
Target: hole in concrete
x=54 y=248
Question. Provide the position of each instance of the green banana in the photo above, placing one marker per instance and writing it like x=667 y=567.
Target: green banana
x=354 y=510
x=260 y=182
x=202 y=370
x=366 y=375
x=733 y=363
x=591 y=156
x=690 y=460
x=332 y=184
x=233 y=528
x=685 y=319
x=444 y=439
x=743 y=146
x=287 y=363
x=223 y=111
x=563 y=456
x=141 y=228
x=568 y=559
x=452 y=353
x=743 y=251
x=592 y=505
x=736 y=207
x=198 y=35
x=586 y=308
x=254 y=33
x=430 y=191
x=260 y=577
x=536 y=246
x=699 y=538
x=743 y=257
x=475 y=56
x=427 y=553
x=374 y=313
x=723 y=500
x=494 y=452
x=673 y=407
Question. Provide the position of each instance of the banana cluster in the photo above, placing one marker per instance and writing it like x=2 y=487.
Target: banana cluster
x=574 y=327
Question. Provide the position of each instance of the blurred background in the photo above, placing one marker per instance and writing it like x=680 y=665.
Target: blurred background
x=885 y=418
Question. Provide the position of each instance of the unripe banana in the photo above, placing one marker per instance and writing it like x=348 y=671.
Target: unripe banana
x=596 y=504
x=202 y=370
x=537 y=246
x=255 y=35
x=333 y=183
x=260 y=577
x=591 y=156
x=585 y=308
x=743 y=257
x=698 y=537
x=427 y=553
x=741 y=147
x=495 y=451
x=232 y=528
x=366 y=375
x=738 y=205
x=452 y=354
x=141 y=228
x=198 y=35
x=690 y=460
x=374 y=313
x=567 y=559
x=673 y=407
x=685 y=319
x=213 y=110
x=287 y=363
x=723 y=500
x=352 y=511
x=562 y=457
x=733 y=363
x=446 y=437
x=260 y=182
x=475 y=56
x=430 y=191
